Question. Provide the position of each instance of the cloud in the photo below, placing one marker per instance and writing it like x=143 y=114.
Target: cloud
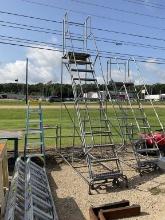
x=11 y=71
x=44 y=65
x=155 y=71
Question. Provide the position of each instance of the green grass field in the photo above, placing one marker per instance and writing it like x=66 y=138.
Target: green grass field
x=14 y=119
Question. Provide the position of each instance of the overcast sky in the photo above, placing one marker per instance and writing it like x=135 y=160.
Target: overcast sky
x=123 y=19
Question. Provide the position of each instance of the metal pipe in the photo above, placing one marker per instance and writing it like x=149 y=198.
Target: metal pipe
x=27 y=80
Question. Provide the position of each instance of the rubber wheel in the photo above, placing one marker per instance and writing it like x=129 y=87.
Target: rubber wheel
x=115 y=182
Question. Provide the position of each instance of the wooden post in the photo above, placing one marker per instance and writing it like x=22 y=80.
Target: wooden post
x=4 y=180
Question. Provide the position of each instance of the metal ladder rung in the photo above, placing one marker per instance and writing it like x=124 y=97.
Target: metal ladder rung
x=36 y=166
x=34 y=131
x=41 y=201
x=35 y=189
x=33 y=121
x=42 y=215
x=34 y=143
x=34 y=110
x=33 y=148
x=39 y=183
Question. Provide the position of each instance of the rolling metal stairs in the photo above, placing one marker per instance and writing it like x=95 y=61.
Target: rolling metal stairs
x=95 y=128
x=133 y=122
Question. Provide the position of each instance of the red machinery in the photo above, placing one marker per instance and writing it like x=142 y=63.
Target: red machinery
x=158 y=137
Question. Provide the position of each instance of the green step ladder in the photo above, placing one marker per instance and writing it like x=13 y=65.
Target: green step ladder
x=34 y=133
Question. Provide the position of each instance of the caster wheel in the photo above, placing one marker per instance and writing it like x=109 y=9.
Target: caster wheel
x=115 y=183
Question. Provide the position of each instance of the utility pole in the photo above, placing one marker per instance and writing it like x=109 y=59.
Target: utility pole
x=26 y=81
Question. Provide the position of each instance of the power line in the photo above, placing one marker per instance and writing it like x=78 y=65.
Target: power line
x=143 y=3
x=94 y=28
x=129 y=34
x=116 y=9
x=31 y=17
x=106 y=40
x=153 y=3
x=46 y=30
x=18 y=39
x=129 y=43
x=30 y=46
x=94 y=15
x=28 y=29
x=105 y=54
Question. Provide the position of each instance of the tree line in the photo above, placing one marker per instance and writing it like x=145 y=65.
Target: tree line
x=55 y=89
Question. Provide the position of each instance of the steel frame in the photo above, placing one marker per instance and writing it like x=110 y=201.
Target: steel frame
x=98 y=148
x=133 y=120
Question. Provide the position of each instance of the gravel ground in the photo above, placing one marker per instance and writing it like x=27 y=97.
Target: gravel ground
x=72 y=200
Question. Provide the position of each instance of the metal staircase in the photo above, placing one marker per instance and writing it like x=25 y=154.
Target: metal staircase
x=95 y=128
x=133 y=121
x=34 y=134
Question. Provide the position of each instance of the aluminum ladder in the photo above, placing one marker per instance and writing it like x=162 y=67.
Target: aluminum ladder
x=34 y=133
x=29 y=194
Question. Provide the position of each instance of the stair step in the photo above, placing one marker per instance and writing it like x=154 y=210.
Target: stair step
x=145 y=127
x=98 y=132
x=147 y=150
x=101 y=145
x=79 y=62
x=131 y=117
x=108 y=175
x=82 y=70
x=77 y=56
x=85 y=79
x=35 y=155
x=146 y=162
x=104 y=160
